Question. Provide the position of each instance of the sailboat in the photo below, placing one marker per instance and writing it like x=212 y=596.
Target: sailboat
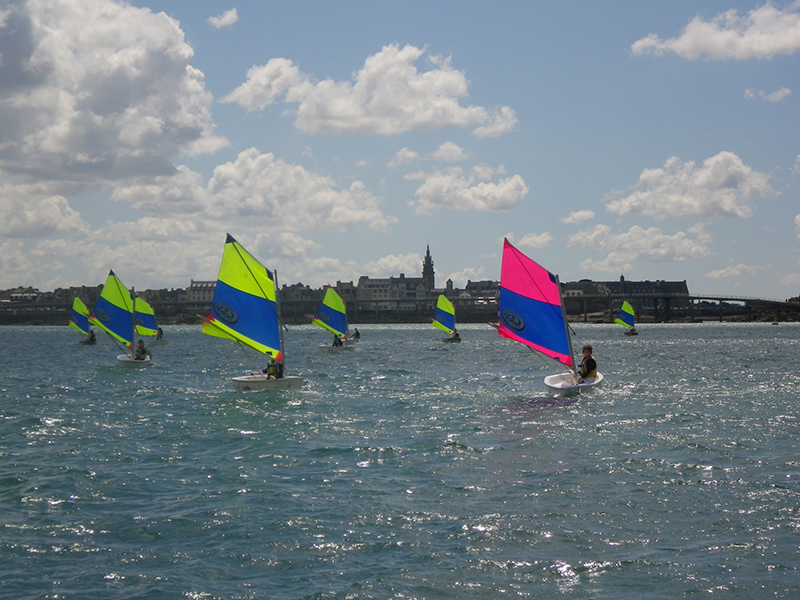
x=245 y=309
x=113 y=313
x=532 y=313
x=80 y=320
x=331 y=315
x=445 y=318
x=625 y=318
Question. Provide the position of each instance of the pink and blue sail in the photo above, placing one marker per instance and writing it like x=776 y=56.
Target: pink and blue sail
x=531 y=309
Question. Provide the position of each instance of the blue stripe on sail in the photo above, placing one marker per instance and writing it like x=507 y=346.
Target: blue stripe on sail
x=332 y=318
x=250 y=316
x=146 y=320
x=625 y=318
x=81 y=321
x=445 y=318
x=117 y=320
x=539 y=323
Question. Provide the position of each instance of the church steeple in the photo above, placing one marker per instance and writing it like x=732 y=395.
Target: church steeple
x=428 y=275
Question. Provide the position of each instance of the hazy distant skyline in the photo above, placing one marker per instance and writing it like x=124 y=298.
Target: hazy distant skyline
x=654 y=140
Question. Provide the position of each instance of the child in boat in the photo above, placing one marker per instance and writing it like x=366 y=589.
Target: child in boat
x=141 y=352
x=274 y=369
x=337 y=341
x=588 y=367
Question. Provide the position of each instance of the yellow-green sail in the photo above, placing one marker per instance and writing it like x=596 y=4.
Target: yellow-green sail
x=332 y=314
x=445 y=315
x=244 y=307
x=113 y=312
x=145 y=317
x=80 y=316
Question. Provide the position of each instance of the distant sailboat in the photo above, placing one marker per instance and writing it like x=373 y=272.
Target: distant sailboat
x=332 y=315
x=445 y=318
x=80 y=320
x=113 y=313
x=144 y=317
x=245 y=309
x=625 y=318
x=532 y=313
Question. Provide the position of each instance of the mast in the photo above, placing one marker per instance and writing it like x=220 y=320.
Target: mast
x=566 y=326
x=278 y=311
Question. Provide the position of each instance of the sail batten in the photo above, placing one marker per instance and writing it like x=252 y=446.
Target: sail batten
x=531 y=310
x=444 y=315
x=332 y=314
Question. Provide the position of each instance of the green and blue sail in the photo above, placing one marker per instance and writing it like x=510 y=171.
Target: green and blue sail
x=625 y=316
x=80 y=316
x=244 y=308
x=444 y=315
x=113 y=312
x=332 y=315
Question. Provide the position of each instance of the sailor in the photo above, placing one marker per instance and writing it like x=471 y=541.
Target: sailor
x=274 y=369
x=337 y=341
x=455 y=335
x=356 y=334
x=587 y=371
x=159 y=334
x=90 y=337
x=141 y=352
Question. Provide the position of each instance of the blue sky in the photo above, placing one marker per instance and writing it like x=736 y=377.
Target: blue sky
x=654 y=140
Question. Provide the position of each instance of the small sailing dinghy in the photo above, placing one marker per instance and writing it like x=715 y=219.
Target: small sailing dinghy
x=625 y=318
x=80 y=321
x=245 y=309
x=113 y=313
x=445 y=318
x=532 y=313
x=332 y=316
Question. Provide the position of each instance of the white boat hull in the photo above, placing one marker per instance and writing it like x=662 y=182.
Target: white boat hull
x=332 y=347
x=564 y=382
x=126 y=360
x=259 y=382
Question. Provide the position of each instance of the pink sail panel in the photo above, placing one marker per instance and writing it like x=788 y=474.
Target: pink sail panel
x=523 y=276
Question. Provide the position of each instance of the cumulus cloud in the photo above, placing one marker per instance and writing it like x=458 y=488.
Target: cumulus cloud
x=117 y=100
x=775 y=96
x=450 y=152
x=764 y=32
x=259 y=191
x=721 y=187
x=452 y=189
x=537 y=240
x=734 y=271
x=226 y=19
x=652 y=244
x=389 y=95
x=797 y=224
x=578 y=216
x=393 y=264
x=26 y=212
x=405 y=156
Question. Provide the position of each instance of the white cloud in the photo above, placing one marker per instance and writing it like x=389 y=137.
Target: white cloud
x=393 y=265
x=797 y=224
x=578 y=216
x=721 y=187
x=97 y=92
x=449 y=152
x=734 y=271
x=27 y=213
x=388 y=96
x=536 y=240
x=260 y=192
x=652 y=244
x=461 y=278
x=775 y=96
x=226 y=19
x=405 y=156
x=452 y=189
x=764 y=32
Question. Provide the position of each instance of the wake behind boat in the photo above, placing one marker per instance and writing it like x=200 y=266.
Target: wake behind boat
x=246 y=309
x=532 y=313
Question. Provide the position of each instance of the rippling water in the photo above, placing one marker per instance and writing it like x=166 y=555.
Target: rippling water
x=405 y=468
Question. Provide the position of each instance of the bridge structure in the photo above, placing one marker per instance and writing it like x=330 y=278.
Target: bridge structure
x=666 y=306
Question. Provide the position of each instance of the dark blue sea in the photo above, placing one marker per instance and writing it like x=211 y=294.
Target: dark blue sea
x=405 y=468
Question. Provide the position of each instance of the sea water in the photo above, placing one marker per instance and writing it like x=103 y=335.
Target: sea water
x=404 y=468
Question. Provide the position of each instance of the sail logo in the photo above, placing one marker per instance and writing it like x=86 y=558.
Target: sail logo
x=324 y=317
x=513 y=321
x=225 y=313
x=101 y=315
